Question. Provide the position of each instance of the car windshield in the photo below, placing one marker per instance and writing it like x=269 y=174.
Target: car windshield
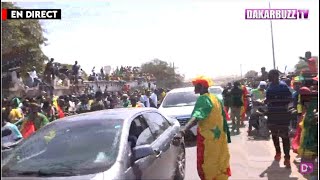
x=215 y=90
x=66 y=149
x=180 y=99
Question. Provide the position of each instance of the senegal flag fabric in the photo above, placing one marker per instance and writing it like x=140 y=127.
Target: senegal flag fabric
x=296 y=139
x=58 y=108
x=213 y=136
x=28 y=128
x=309 y=135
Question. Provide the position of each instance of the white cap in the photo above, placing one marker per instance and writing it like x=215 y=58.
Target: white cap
x=262 y=83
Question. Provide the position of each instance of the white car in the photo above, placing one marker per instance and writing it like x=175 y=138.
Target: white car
x=217 y=90
x=179 y=104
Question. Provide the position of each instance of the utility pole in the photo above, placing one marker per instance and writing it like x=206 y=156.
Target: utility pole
x=272 y=41
x=241 y=70
x=174 y=71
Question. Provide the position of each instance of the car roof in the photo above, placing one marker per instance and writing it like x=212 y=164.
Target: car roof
x=119 y=113
x=186 y=89
x=216 y=87
x=189 y=89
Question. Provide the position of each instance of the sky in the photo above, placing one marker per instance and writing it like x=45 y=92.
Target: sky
x=207 y=37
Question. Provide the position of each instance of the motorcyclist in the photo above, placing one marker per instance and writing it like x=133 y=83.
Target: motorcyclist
x=258 y=96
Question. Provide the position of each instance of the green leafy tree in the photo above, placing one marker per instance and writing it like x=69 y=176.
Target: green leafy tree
x=21 y=41
x=164 y=73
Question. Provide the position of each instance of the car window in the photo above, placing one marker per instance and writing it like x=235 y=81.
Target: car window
x=158 y=124
x=140 y=130
x=83 y=148
x=180 y=99
x=215 y=90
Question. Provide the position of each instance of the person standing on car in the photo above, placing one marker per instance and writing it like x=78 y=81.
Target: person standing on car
x=236 y=104
x=213 y=158
x=278 y=97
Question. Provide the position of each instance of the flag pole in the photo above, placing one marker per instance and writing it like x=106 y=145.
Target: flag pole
x=272 y=42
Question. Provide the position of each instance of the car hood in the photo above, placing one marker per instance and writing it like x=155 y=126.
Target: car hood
x=112 y=173
x=177 y=111
x=98 y=176
x=219 y=96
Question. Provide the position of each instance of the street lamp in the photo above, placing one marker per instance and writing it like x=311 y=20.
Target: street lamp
x=272 y=42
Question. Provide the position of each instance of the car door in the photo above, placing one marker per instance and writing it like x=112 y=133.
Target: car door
x=141 y=168
x=163 y=132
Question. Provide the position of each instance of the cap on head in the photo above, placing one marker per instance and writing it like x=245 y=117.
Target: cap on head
x=304 y=90
x=312 y=60
x=203 y=81
x=262 y=83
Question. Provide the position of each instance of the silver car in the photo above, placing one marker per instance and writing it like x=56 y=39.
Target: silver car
x=131 y=143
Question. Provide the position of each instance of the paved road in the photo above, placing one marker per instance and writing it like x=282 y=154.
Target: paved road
x=250 y=159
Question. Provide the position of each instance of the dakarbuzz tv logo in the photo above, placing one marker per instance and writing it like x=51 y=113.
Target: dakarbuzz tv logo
x=31 y=14
x=276 y=14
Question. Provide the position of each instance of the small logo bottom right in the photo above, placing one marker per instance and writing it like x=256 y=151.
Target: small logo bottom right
x=306 y=167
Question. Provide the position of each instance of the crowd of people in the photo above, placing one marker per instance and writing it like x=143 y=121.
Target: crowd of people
x=25 y=116
x=124 y=73
x=290 y=104
x=54 y=74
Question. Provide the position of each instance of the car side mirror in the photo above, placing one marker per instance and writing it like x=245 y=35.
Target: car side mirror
x=142 y=151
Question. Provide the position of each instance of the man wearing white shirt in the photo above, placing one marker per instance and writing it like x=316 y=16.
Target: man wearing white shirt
x=34 y=76
x=146 y=101
x=33 y=73
x=149 y=100
x=154 y=98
